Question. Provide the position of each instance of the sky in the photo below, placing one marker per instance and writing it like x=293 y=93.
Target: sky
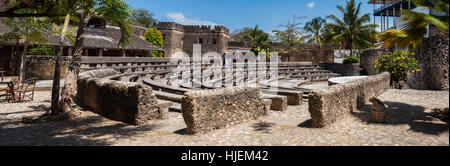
x=236 y=14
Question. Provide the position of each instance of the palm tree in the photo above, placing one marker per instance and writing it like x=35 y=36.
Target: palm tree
x=413 y=25
x=27 y=29
x=352 y=31
x=316 y=27
x=115 y=11
x=260 y=41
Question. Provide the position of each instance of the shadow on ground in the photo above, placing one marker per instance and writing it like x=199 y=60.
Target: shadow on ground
x=264 y=127
x=415 y=116
x=306 y=124
x=87 y=130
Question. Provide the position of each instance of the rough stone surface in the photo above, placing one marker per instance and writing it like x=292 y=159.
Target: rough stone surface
x=377 y=104
x=204 y=111
x=368 y=58
x=43 y=67
x=130 y=103
x=336 y=102
x=408 y=124
x=433 y=61
x=344 y=69
x=279 y=103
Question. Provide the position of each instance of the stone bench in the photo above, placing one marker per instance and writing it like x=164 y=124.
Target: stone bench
x=163 y=109
x=168 y=96
x=279 y=103
x=293 y=97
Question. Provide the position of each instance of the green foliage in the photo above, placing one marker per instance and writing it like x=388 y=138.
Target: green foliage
x=155 y=37
x=27 y=28
x=42 y=50
x=398 y=63
x=260 y=41
x=351 y=60
x=316 y=27
x=413 y=25
x=352 y=31
x=239 y=34
x=291 y=36
x=117 y=11
x=142 y=17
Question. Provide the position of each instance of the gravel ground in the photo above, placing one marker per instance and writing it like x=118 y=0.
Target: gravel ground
x=409 y=122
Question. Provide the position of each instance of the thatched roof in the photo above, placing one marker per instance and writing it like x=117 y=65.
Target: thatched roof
x=4 y=28
x=109 y=38
x=51 y=39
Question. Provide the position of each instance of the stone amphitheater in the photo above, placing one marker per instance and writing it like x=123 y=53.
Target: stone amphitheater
x=295 y=79
x=133 y=101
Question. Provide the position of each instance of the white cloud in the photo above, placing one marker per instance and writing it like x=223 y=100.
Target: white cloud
x=181 y=19
x=311 y=5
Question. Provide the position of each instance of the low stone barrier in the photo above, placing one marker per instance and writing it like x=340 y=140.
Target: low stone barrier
x=328 y=105
x=204 y=111
x=344 y=69
x=43 y=67
x=127 y=102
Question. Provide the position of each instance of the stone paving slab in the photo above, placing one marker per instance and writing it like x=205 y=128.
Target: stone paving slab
x=408 y=123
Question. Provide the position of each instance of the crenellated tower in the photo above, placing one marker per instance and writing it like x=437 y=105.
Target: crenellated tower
x=179 y=37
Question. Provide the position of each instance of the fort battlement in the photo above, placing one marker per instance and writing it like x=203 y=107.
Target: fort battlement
x=179 y=37
x=169 y=26
x=192 y=28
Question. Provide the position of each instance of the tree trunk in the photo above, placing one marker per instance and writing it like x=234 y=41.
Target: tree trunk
x=70 y=84
x=57 y=73
x=23 y=59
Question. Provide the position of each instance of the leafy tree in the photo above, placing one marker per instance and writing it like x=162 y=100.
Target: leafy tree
x=260 y=41
x=115 y=11
x=413 y=25
x=316 y=28
x=291 y=36
x=239 y=34
x=352 y=31
x=155 y=37
x=142 y=17
x=27 y=29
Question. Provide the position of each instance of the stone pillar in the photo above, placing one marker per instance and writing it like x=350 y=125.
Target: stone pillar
x=86 y=52
x=69 y=51
x=123 y=53
x=100 y=52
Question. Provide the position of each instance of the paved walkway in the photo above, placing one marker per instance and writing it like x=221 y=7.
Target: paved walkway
x=41 y=85
x=409 y=123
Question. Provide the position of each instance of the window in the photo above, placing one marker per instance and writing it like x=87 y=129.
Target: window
x=214 y=41
x=200 y=40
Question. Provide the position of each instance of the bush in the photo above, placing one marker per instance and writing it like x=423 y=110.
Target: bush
x=42 y=50
x=351 y=60
x=398 y=63
x=154 y=37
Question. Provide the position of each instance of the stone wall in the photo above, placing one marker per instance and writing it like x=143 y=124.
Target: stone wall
x=127 y=102
x=433 y=60
x=179 y=37
x=43 y=67
x=331 y=104
x=204 y=111
x=344 y=69
x=367 y=60
x=314 y=56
